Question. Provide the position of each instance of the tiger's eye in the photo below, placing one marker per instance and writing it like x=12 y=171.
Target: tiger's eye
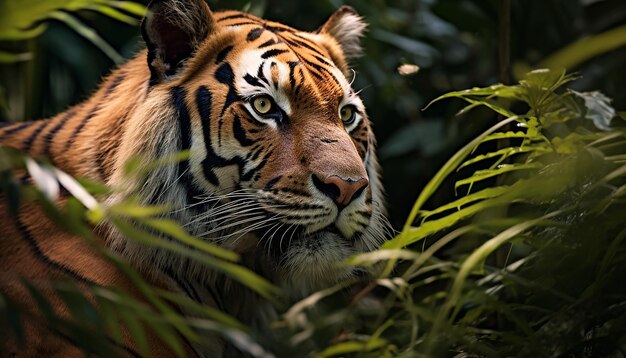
x=347 y=114
x=262 y=104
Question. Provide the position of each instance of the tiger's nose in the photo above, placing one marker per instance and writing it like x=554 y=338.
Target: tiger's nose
x=341 y=191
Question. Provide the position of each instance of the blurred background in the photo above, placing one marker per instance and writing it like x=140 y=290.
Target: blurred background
x=60 y=57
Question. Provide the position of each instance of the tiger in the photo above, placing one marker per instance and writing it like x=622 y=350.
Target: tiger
x=281 y=165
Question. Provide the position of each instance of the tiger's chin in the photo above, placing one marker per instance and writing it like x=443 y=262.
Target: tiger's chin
x=315 y=261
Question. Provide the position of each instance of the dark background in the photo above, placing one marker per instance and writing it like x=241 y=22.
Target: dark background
x=455 y=43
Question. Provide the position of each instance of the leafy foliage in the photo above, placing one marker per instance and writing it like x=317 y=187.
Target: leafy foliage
x=515 y=247
x=528 y=260
x=21 y=20
x=98 y=313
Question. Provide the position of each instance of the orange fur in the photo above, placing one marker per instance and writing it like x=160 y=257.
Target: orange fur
x=195 y=94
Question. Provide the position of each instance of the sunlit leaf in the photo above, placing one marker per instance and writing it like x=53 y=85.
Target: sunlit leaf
x=176 y=231
x=239 y=273
x=448 y=168
x=586 y=48
x=481 y=175
x=352 y=347
x=7 y=57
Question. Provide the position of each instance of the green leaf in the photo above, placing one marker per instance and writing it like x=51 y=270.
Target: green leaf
x=478 y=256
x=8 y=34
x=110 y=317
x=137 y=211
x=7 y=57
x=443 y=173
x=481 y=175
x=370 y=258
x=11 y=323
x=113 y=13
x=170 y=337
x=202 y=309
x=505 y=153
x=498 y=90
x=585 y=49
x=23 y=19
x=136 y=330
x=512 y=135
x=353 y=347
x=238 y=273
x=130 y=7
x=176 y=231
x=411 y=235
x=488 y=193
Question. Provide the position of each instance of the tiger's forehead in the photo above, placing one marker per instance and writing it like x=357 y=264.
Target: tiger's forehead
x=283 y=62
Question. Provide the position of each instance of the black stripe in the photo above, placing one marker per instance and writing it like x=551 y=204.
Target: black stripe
x=107 y=91
x=253 y=81
x=278 y=28
x=100 y=166
x=236 y=16
x=355 y=129
x=113 y=85
x=16 y=127
x=248 y=175
x=299 y=86
x=240 y=133
x=254 y=153
x=292 y=70
x=221 y=56
x=187 y=288
x=271 y=53
x=203 y=101
x=28 y=143
x=292 y=191
x=272 y=182
x=80 y=127
x=254 y=34
x=184 y=124
x=267 y=43
x=243 y=23
x=302 y=43
x=36 y=250
x=323 y=60
x=316 y=66
x=50 y=135
x=251 y=120
x=260 y=74
x=298 y=206
x=225 y=75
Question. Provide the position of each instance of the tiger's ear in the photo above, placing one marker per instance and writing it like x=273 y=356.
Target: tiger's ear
x=173 y=30
x=347 y=28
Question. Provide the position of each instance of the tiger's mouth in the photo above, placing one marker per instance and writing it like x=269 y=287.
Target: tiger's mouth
x=278 y=241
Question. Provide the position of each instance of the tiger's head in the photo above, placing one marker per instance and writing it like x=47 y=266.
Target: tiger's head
x=282 y=165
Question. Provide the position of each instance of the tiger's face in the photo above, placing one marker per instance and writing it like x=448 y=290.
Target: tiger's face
x=282 y=160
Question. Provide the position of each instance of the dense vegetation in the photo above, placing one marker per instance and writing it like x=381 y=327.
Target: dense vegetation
x=515 y=243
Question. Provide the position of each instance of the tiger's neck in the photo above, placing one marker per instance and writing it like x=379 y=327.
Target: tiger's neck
x=84 y=140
